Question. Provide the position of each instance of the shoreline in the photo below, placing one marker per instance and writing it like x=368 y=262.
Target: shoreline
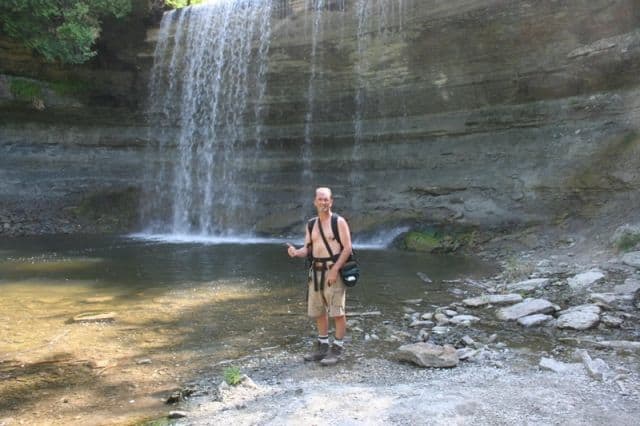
x=574 y=380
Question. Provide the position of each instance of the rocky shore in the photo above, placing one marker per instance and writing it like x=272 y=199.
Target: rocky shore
x=551 y=339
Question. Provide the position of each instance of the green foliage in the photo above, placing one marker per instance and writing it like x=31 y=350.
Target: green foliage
x=232 y=375
x=422 y=241
x=177 y=4
x=25 y=90
x=70 y=87
x=627 y=237
x=59 y=30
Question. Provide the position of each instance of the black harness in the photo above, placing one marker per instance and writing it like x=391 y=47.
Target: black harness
x=322 y=260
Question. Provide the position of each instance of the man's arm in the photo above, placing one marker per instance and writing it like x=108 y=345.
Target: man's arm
x=302 y=251
x=345 y=239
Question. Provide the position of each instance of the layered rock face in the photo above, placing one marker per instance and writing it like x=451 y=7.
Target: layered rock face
x=485 y=113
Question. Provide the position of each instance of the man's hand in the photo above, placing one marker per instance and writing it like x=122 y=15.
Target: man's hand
x=291 y=250
x=332 y=276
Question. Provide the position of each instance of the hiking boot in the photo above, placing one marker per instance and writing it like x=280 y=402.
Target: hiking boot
x=321 y=350
x=334 y=355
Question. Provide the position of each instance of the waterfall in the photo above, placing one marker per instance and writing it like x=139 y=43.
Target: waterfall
x=208 y=81
x=375 y=18
x=316 y=7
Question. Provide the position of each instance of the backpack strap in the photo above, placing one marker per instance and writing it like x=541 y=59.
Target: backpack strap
x=310 y=224
x=334 y=228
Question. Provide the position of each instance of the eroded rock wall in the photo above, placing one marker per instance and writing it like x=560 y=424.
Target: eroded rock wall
x=485 y=113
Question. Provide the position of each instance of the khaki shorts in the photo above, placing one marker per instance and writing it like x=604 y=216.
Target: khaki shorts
x=331 y=300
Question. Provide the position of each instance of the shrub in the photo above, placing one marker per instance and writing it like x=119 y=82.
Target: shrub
x=25 y=90
x=626 y=237
x=232 y=375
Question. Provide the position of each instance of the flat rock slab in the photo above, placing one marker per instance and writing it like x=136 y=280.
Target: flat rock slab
x=95 y=317
x=524 y=308
x=529 y=285
x=429 y=355
x=632 y=259
x=464 y=319
x=585 y=279
x=630 y=286
x=559 y=367
x=492 y=299
x=534 y=320
x=580 y=317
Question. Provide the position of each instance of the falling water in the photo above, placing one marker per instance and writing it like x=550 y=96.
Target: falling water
x=374 y=20
x=317 y=9
x=209 y=81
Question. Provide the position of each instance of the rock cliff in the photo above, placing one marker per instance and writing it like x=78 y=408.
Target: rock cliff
x=465 y=112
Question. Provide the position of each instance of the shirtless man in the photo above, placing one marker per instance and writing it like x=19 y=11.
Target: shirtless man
x=327 y=292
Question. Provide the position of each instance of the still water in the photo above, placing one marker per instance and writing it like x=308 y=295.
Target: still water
x=225 y=299
x=181 y=311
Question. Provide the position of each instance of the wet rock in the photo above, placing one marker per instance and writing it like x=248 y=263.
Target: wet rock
x=94 y=317
x=492 y=299
x=440 y=330
x=580 y=317
x=534 y=320
x=524 y=308
x=464 y=319
x=177 y=414
x=529 y=285
x=585 y=279
x=429 y=355
x=417 y=323
x=424 y=277
x=427 y=316
x=441 y=319
x=632 y=259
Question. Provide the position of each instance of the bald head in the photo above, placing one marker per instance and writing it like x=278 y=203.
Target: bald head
x=323 y=190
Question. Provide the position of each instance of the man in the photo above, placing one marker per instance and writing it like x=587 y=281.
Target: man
x=327 y=293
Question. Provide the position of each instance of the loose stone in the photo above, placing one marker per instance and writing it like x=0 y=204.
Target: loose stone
x=585 y=279
x=580 y=317
x=529 y=285
x=464 y=319
x=533 y=320
x=493 y=299
x=632 y=259
x=524 y=308
x=557 y=366
x=429 y=355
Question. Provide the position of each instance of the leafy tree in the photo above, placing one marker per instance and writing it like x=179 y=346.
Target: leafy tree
x=176 y=4
x=59 y=30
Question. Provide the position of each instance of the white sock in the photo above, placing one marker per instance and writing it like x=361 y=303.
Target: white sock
x=323 y=339
x=338 y=342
